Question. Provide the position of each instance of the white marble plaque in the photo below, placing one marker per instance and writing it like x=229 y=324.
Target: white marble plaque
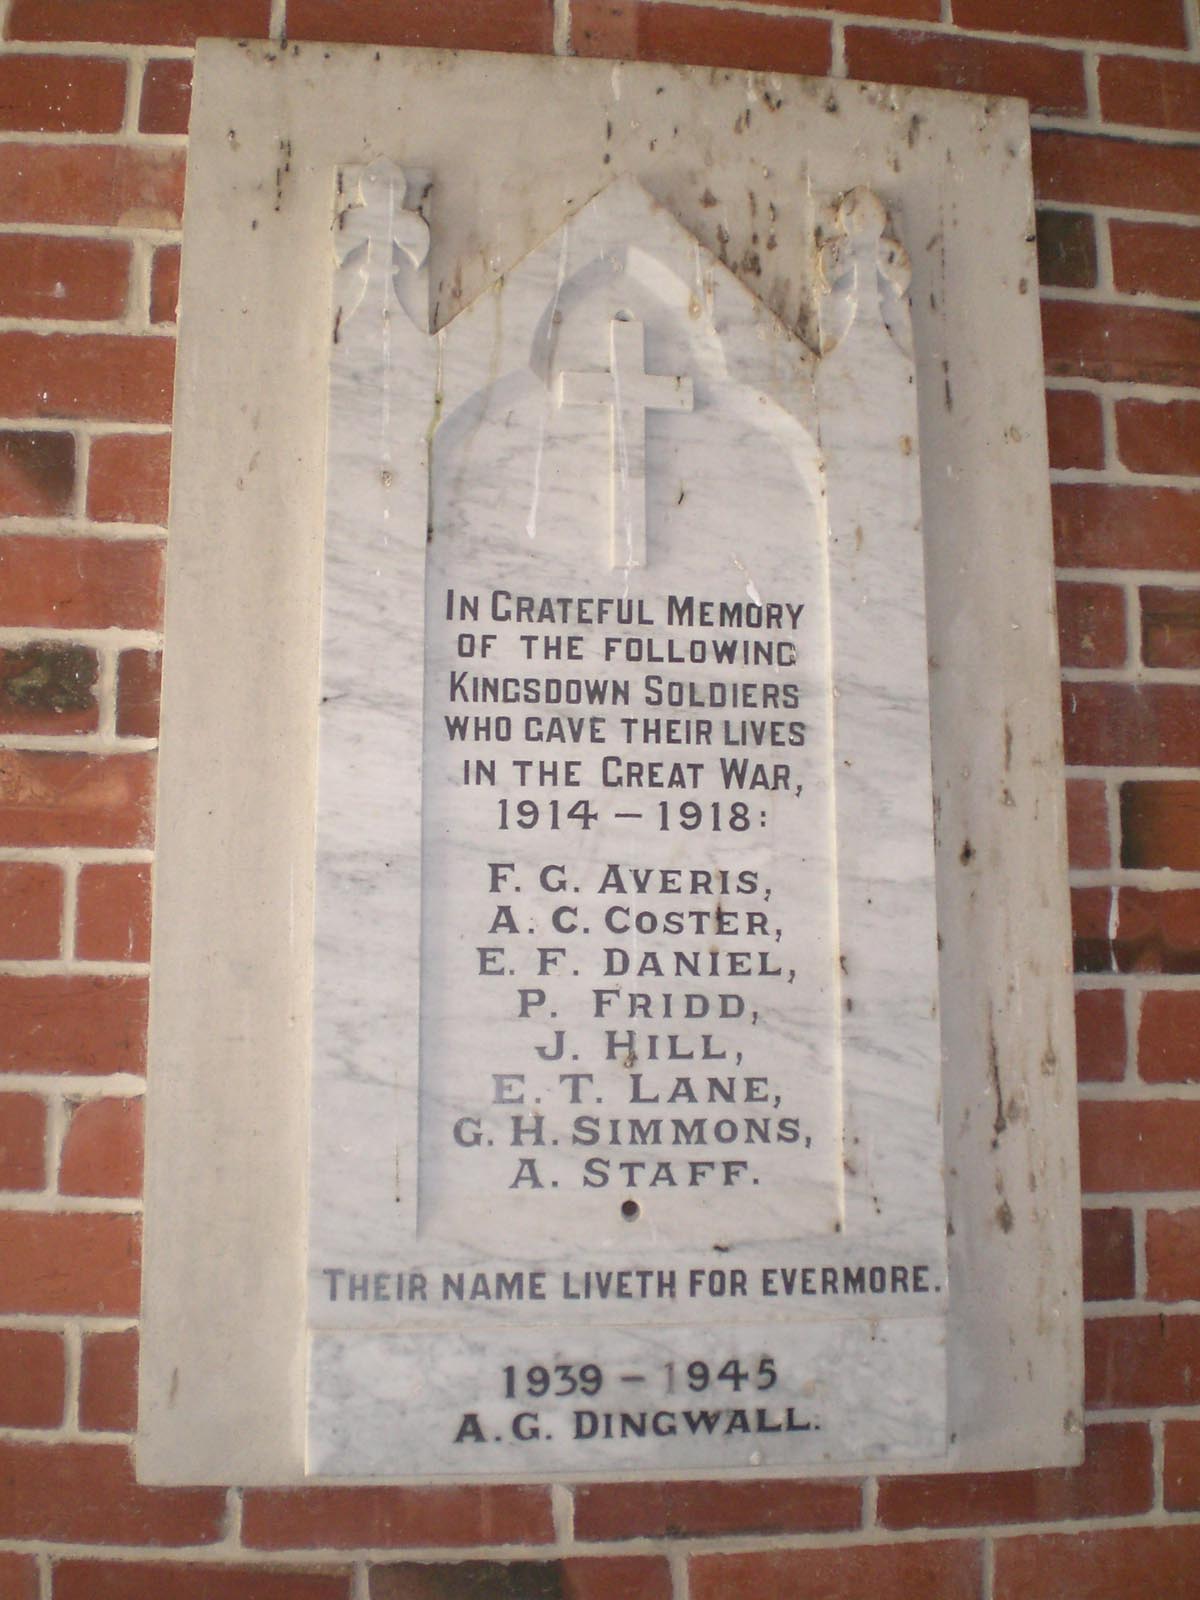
x=626 y=1146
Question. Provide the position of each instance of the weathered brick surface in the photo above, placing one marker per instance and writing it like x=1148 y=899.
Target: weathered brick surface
x=1173 y=1254
x=950 y=1569
x=1160 y=824
x=1138 y=1144
x=1152 y=22
x=1164 y=94
x=108 y=1382
x=284 y=1519
x=174 y=22
x=1142 y=1361
x=1066 y=248
x=88 y=1492
x=61 y=94
x=1114 y=525
x=155 y=1580
x=1170 y=626
x=113 y=912
x=770 y=41
x=80 y=583
x=116 y=377
x=74 y=1263
x=102 y=1150
x=63 y=279
x=1088 y=169
x=73 y=1023
x=19 y=1578
x=166 y=96
x=1100 y=1565
x=1127 y=344
x=1075 y=424
x=129 y=478
x=526 y=25
x=1181 y=1466
x=1131 y=724
x=1161 y=436
x=1100 y=1039
x=1108 y=1253
x=22 y=1141
x=1156 y=258
x=1091 y=625
x=1169 y=1036
x=94 y=184
x=1051 y=80
x=139 y=682
x=576 y=1578
x=31 y=902
x=50 y=797
x=1115 y=1480
x=658 y=1510
x=33 y=1378
x=164 y=284
x=37 y=473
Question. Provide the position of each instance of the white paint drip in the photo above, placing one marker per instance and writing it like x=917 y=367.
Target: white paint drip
x=1114 y=918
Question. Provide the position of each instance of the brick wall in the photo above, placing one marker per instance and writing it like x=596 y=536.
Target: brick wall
x=93 y=125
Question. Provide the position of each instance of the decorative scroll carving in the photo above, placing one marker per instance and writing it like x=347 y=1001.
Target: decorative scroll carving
x=864 y=272
x=382 y=245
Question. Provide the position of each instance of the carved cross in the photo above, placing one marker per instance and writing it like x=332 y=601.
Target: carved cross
x=629 y=391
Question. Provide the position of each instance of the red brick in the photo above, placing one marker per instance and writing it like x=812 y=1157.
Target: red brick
x=1130 y=1564
x=31 y=894
x=139 y=682
x=54 y=797
x=164 y=284
x=526 y=25
x=1161 y=94
x=47 y=687
x=1160 y=824
x=1087 y=823
x=129 y=477
x=37 y=473
x=573 y=1578
x=343 y=1519
x=90 y=185
x=1181 y=1465
x=1051 y=80
x=1142 y=1145
x=667 y=1510
x=166 y=97
x=1169 y=1036
x=1085 y=169
x=80 y=583
x=19 y=1578
x=1170 y=627
x=114 y=912
x=108 y=1378
x=1142 y=1361
x=142 y=1580
x=1134 y=344
x=174 y=22
x=1100 y=1042
x=1116 y=1479
x=61 y=94
x=1158 y=931
x=43 y=276
x=68 y=1023
x=102 y=1153
x=1100 y=525
x=1066 y=249
x=1155 y=258
x=948 y=1570
x=1156 y=22
x=69 y=1263
x=1159 y=436
x=22 y=1141
x=1076 y=425
x=33 y=1378
x=1131 y=724
x=1090 y=916
x=742 y=39
x=88 y=1492
x=1091 y=625
x=110 y=376
x=1173 y=1254
x=1108 y=1261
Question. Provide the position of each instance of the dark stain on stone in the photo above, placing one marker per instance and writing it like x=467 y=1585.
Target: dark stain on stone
x=1066 y=249
x=40 y=468
x=44 y=677
x=967 y=854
